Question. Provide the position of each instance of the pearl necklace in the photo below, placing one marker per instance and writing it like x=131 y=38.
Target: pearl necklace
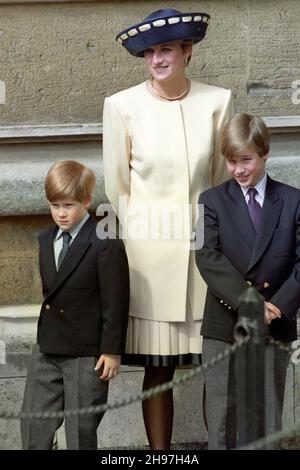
x=166 y=97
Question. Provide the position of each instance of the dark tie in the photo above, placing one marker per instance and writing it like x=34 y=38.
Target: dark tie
x=255 y=208
x=66 y=241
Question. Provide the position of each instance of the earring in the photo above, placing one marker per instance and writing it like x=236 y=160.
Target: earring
x=186 y=61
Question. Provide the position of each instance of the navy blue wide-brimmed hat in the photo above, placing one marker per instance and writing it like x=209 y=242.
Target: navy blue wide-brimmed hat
x=163 y=26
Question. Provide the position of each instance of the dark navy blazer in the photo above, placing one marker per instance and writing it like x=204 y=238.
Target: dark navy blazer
x=86 y=303
x=233 y=256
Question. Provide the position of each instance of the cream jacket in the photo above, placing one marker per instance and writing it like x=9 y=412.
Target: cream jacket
x=158 y=156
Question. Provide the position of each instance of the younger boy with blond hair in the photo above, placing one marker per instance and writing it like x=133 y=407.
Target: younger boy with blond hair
x=83 y=317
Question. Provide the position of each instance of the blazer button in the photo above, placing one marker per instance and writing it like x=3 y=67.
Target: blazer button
x=47 y=307
x=221 y=301
x=266 y=285
x=249 y=283
x=61 y=311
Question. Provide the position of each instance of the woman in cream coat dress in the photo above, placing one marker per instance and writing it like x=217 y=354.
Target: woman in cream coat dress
x=161 y=149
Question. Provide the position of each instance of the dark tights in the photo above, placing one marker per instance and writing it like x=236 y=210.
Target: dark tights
x=158 y=411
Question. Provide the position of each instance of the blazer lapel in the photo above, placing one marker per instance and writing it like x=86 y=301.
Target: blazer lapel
x=240 y=214
x=271 y=212
x=75 y=254
x=47 y=256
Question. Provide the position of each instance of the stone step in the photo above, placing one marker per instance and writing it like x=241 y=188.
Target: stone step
x=122 y=427
x=27 y=152
x=22 y=183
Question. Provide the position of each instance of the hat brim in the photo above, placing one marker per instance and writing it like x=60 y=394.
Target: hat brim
x=183 y=26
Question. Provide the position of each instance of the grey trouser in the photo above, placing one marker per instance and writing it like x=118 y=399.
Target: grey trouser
x=56 y=383
x=220 y=387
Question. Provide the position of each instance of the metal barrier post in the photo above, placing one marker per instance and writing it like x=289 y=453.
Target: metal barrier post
x=249 y=367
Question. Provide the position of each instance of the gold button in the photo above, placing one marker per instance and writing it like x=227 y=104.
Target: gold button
x=47 y=307
x=266 y=285
x=61 y=311
x=249 y=283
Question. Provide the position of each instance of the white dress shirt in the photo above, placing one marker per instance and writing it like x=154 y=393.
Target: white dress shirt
x=58 y=241
x=260 y=188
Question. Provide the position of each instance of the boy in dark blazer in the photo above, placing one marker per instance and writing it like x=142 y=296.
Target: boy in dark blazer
x=83 y=319
x=251 y=237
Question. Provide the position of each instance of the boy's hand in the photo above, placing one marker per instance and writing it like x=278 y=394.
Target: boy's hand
x=271 y=312
x=110 y=364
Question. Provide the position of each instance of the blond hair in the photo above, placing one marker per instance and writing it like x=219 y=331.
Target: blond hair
x=242 y=133
x=68 y=179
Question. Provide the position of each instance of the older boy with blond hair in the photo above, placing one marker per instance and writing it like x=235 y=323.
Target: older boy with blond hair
x=251 y=236
x=83 y=317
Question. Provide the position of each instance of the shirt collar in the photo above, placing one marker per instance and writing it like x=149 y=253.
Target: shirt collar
x=75 y=230
x=260 y=186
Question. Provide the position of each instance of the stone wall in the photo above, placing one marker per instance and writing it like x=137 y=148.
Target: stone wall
x=24 y=207
x=60 y=60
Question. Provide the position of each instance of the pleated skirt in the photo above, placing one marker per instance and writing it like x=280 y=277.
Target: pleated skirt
x=155 y=343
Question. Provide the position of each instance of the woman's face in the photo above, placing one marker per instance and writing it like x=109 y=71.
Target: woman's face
x=167 y=61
